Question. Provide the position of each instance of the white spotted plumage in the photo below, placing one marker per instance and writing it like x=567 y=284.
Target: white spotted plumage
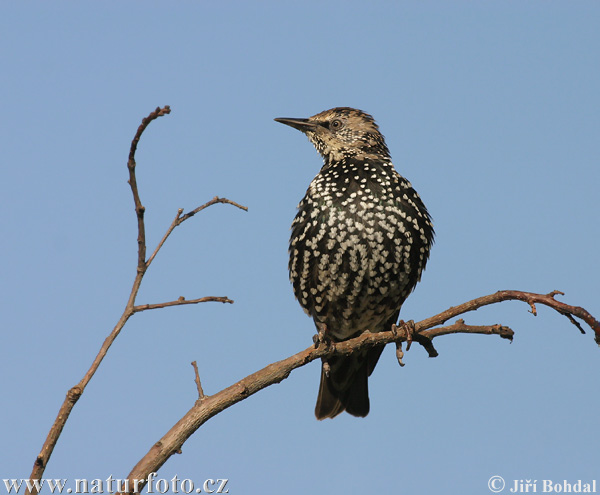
x=359 y=243
x=371 y=230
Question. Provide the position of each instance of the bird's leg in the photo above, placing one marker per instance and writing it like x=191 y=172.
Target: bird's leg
x=399 y=351
x=409 y=330
x=412 y=336
x=322 y=337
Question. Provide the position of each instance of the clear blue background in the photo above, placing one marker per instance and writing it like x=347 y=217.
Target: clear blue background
x=491 y=109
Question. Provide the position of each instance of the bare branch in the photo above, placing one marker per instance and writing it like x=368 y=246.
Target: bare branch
x=180 y=219
x=180 y=302
x=75 y=392
x=174 y=224
x=576 y=323
x=159 y=112
x=460 y=327
x=201 y=395
x=139 y=208
x=427 y=329
x=213 y=201
x=513 y=295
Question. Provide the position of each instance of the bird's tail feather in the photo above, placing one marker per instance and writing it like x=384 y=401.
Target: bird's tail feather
x=346 y=388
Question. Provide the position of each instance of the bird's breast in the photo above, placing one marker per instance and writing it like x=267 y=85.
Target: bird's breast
x=356 y=251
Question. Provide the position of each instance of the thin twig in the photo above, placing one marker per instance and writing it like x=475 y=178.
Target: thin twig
x=577 y=324
x=460 y=327
x=159 y=112
x=180 y=302
x=178 y=220
x=213 y=201
x=201 y=395
x=174 y=224
x=139 y=208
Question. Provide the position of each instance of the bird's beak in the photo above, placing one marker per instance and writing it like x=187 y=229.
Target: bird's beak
x=303 y=125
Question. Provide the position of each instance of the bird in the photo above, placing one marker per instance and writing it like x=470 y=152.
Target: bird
x=359 y=243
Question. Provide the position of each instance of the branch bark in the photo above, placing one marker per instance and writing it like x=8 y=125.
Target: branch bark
x=424 y=332
x=75 y=392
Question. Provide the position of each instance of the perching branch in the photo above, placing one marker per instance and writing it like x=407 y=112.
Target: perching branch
x=75 y=392
x=423 y=332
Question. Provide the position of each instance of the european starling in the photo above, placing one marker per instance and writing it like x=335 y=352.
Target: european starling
x=359 y=244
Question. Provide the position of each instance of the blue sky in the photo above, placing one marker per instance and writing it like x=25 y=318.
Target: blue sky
x=491 y=110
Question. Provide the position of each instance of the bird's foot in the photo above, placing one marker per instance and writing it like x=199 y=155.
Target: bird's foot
x=411 y=336
x=409 y=331
x=322 y=337
x=399 y=353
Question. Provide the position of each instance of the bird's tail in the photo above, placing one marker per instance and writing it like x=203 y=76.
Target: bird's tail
x=346 y=388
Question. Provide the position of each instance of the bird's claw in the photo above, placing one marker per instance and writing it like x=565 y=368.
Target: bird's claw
x=399 y=351
x=321 y=337
x=409 y=330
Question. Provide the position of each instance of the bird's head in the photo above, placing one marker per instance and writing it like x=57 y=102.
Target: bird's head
x=341 y=133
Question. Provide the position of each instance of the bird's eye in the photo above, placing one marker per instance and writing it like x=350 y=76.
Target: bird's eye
x=336 y=124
